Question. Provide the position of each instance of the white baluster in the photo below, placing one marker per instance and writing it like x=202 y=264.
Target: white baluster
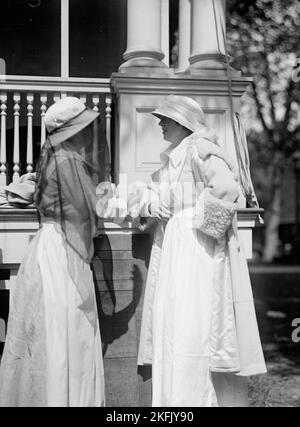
x=17 y=100
x=29 y=158
x=108 y=102
x=56 y=97
x=43 y=112
x=64 y=94
x=83 y=98
x=3 y=100
x=96 y=100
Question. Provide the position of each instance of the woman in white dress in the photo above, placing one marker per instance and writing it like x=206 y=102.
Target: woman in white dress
x=199 y=328
x=53 y=355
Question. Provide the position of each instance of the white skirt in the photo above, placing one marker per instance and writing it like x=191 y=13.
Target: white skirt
x=53 y=354
x=181 y=318
x=74 y=354
x=182 y=313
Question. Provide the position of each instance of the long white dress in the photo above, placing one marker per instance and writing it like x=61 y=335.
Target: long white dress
x=181 y=318
x=188 y=330
x=75 y=375
x=53 y=354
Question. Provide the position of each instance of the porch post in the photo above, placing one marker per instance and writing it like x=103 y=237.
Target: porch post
x=165 y=27
x=64 y=38
x=143 y=35
x=208 y=34
x=184 y=48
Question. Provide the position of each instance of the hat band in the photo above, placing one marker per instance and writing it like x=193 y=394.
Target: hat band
x=67 y=124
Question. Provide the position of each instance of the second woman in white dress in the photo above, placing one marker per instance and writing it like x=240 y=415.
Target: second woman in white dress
x=199 y=329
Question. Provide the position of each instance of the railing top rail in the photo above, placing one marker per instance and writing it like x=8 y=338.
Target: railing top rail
x=54 y=84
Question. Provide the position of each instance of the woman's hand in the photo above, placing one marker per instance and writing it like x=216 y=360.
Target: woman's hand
x=159 y=210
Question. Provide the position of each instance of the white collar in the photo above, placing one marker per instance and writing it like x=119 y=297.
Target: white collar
x=175 y=155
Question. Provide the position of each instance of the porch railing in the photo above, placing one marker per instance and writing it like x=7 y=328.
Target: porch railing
x=23 y=104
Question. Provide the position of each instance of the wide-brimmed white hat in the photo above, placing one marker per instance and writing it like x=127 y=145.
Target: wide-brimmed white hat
x=183 y=110
x=67 y=117
x=21 y=193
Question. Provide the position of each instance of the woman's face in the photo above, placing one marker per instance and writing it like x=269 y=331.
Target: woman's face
x=83 y=138
x=172 y=131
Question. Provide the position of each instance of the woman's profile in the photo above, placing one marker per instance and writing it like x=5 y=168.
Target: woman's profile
x=199 y=328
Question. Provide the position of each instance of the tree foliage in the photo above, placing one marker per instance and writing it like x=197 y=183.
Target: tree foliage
x=263 y=40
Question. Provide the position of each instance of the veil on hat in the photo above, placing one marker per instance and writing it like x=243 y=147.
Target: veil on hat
x=67 y=175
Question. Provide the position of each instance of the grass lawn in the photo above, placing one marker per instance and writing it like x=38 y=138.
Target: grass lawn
x=277 y=297
x=280 y=387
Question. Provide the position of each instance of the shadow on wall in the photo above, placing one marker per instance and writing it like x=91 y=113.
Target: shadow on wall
x=142 y=245
x=114 y=324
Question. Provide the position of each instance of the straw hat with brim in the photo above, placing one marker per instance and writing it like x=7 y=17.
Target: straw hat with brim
x=21 y=193
x=183 y=110
x=66 y=118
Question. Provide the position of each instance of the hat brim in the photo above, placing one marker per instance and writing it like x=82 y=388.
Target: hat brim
x=176 y=118
x=74 y=126
x=25 y=191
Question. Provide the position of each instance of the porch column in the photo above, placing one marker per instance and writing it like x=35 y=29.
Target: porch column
x=165 y=28
x=65 y=54
x=208 y=34
x=143 y=35
x=184 y=41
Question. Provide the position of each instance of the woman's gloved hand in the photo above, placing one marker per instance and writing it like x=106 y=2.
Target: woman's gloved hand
x=160 y=210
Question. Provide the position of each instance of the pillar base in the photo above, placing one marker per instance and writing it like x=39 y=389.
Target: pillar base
x=207 y=73
x=143 y=58
x=208 y=61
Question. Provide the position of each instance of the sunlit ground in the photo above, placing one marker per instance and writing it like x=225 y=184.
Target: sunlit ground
x=277 y=295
